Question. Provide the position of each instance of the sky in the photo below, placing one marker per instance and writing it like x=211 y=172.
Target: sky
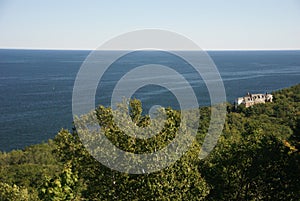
x=212 y=24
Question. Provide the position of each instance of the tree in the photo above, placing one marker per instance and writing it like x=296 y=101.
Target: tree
x=12 y=193
x=256 y=157
x=64 y=187
x=180 y=181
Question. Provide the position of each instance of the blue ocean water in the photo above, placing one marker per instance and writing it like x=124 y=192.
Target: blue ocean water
x=36 y=85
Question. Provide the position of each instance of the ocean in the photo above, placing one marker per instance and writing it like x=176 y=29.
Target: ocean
x=36 y=85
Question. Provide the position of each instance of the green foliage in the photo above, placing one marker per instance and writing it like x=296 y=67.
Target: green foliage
x=13 y=193
x=181 y=181
x=35 y=154
x=254 y=159
x=66 y=186
x=257 y=158
x=254 y=167
x=132 y=144
x=26 y=168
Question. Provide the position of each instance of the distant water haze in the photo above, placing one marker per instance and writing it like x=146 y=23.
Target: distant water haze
x=36 y=85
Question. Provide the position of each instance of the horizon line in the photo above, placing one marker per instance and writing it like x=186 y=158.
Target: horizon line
x=86 y=49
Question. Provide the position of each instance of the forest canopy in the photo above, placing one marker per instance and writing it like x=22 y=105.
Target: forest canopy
x=257 y=158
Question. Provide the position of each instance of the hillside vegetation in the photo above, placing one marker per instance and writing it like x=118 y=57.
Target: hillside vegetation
x=257 y=158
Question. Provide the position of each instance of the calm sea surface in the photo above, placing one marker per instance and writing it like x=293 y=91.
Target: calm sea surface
x=36 y=85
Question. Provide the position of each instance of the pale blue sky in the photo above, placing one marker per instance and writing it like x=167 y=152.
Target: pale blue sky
x=212 y=24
